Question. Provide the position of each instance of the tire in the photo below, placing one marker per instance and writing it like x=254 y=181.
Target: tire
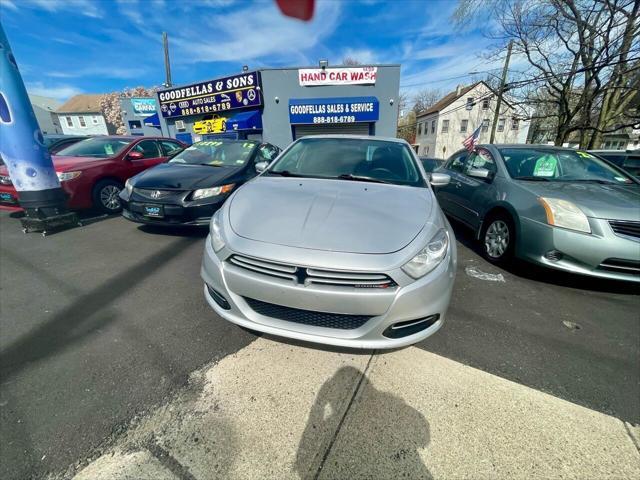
x=498 y=239
x=105 y=196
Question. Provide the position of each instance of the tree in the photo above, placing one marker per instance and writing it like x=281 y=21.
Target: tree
x=112 y=111
x=425 y=98
x=406 y=119
x=351 y=62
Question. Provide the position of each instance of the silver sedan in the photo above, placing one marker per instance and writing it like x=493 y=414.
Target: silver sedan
x=339 y=241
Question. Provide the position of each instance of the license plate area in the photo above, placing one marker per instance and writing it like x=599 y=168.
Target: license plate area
x=155 y=211
x=7 y=198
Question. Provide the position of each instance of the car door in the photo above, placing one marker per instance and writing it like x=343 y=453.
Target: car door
x=474 y=192
x=448 y=195
x=151 y=155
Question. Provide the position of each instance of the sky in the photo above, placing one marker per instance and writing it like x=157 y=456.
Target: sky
x=66 y=47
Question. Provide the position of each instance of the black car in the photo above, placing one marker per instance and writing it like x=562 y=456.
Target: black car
x=628 y=160
x=430 y=164
x=192 y=185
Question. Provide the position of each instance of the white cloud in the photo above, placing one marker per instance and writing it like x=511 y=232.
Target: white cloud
x=363 y=55
x=59 y=92
x=100 y=71
x=8 y=4
x=87 y=8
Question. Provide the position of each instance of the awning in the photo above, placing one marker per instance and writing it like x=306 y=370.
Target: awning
x=152 y=121
x=250 y=120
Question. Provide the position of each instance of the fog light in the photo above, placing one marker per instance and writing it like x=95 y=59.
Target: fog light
x=553 y=255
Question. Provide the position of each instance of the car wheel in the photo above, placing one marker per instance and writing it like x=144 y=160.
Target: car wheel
x=498 y=239
x=106 y=196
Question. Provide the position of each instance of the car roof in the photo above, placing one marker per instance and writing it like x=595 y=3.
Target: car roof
x=360 y=137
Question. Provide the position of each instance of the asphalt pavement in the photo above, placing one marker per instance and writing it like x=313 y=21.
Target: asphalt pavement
x=106 y=339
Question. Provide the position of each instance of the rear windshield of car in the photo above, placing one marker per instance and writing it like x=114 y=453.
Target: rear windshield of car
x=217 y=153
x=96 y=147
x=342 y=158
x=560 y=166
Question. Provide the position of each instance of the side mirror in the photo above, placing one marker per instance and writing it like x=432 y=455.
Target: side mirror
x=135 y=156
x=481 y=173
x=261 y=166
x=439 y=179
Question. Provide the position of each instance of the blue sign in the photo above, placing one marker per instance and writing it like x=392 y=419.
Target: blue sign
x=143 y=107
x=333 y=110
x=238 y=91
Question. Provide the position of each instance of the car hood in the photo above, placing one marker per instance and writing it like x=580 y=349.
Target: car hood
x=185 y=177
x=595 y=200
x=333 y=215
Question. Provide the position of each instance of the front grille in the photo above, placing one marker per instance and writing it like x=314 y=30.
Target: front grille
x=156 y=194
x=307 y=317
x=620 y=265
x=5 y=180
x=313 y=276
x=626 y=228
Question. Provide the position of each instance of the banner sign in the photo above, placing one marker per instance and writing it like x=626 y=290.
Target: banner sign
x=308 y=77
x=333 y=110
x=143 y=107
x=238 y=91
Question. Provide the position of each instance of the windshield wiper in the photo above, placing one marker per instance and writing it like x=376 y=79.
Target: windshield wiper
x=285 y=173
x=532 y=179
x=211 y=165
x=359 y=178
x=596 y=180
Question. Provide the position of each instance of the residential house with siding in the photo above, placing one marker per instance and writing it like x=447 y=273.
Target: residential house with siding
x=81 y=115
x=441 y=129
x=45 y=110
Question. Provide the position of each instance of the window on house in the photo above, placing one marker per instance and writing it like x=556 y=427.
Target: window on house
x=433 y=126
x=470 y=103
x=95 y=120
x=445 y=126
x=135 y=124
x=69 y=121
x=82 y=122
x=485 y=125
x=514 y=124
x=486 y=104
x=501 y=125
x=463 y=126
x=420 y=129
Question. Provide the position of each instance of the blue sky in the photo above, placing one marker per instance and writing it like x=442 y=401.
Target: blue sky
x=64 y=47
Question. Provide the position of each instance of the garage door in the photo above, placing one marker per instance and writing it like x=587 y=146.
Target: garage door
x=340 y=128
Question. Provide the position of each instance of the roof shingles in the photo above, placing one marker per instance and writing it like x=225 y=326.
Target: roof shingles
x=84 y=103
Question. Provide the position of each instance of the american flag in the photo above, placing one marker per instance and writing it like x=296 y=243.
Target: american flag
x=472 y=140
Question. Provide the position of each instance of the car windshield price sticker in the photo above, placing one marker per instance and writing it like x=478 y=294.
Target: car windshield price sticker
x=238 y=91
x=333 y=110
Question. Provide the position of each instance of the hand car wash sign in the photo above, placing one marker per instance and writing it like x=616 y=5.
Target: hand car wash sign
x=333 y=110
x=238 y=91
x=309 y=77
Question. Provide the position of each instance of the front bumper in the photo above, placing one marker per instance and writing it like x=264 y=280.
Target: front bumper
x=409 y=301
x=174 y=215
x=581 y=253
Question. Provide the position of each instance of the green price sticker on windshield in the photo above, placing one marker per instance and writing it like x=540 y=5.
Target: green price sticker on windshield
x=545 y=166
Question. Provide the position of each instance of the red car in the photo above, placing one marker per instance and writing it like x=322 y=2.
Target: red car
x=92 y=172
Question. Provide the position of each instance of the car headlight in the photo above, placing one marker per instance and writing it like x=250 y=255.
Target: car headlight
x=212 y=192
x=128 y=186
x=429 y=257
x=64 y=176
x=217 y=242
x=562 y=213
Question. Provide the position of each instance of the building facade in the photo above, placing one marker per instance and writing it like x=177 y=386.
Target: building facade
x=140 y=116
x=81 y=115
x=280 y=105
x=441 y=129
x=45 y=110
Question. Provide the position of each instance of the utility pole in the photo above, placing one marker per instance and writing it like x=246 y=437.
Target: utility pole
x=503 y=81
x=167 y=65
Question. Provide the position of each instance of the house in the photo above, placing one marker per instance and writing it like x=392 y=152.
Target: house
x=82 y=115
x=441 y=129
x=624 y=139
x=45 y=110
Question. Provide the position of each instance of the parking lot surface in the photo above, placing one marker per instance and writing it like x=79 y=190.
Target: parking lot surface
x=113 y=366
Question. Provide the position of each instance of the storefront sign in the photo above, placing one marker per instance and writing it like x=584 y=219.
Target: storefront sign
x=337 y=76
x=333 y=110
x=238 y=91
x=143 y=107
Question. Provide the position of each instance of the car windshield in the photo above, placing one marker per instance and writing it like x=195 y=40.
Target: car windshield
x=430 y=164
x=560 y=166
x=217 y=153
x=96 y=147
x=350 y=159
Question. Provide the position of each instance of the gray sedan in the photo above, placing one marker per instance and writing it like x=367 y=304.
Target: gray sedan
x=339 y=241
x=561 y=208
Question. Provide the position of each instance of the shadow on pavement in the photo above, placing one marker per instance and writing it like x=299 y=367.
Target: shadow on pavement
x=85 y=315
x=378 y=435
x=531 y=271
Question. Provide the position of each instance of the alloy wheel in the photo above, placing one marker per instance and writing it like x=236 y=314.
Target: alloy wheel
x=496 y=240
x=109 y=197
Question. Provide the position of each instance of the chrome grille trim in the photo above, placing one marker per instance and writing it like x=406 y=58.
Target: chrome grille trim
x=147 y=193
x=312 y=276
x=5 y=180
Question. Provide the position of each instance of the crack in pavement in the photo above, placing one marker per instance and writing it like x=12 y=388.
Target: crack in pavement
x=344 y=416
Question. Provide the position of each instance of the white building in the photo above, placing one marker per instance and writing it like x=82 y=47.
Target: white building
x=441 y=129
x=45 y=110
x=81 y=115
